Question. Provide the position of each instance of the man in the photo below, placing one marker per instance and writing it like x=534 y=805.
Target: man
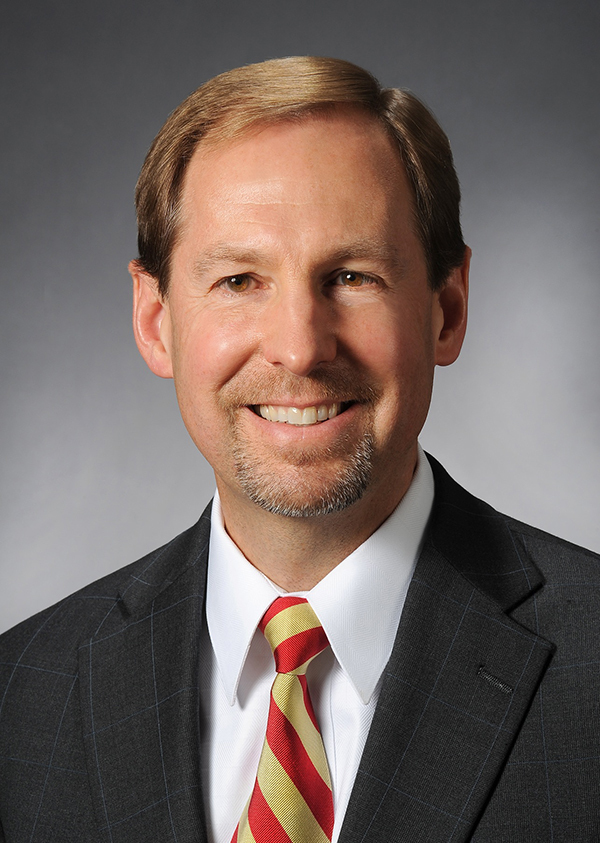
x=301 y=273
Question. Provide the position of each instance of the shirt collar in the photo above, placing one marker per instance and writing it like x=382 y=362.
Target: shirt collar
x=359 y=602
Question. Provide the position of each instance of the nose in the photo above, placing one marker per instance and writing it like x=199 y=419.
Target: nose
x=299 y=331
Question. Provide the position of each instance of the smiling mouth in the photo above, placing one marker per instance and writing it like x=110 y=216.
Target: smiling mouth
x=300 y=416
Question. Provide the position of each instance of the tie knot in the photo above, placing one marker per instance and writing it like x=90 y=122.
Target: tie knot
x=294 y=633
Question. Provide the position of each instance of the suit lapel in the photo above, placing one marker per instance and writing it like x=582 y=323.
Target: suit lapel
x=458 y=685
x=139 y=695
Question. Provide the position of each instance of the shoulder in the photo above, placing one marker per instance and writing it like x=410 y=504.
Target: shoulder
x=50 y=639
x=566 y=608
x=471 y=519
x=556 y=557
x=510 y=560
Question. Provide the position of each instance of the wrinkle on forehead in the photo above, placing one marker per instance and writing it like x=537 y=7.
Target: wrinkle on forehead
x=260 y=192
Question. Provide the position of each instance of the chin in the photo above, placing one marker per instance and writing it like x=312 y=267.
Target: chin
x=310 y=490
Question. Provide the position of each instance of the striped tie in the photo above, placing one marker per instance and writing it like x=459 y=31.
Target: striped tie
x=292 y=800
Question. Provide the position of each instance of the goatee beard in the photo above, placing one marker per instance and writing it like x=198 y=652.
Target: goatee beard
x=295 y=499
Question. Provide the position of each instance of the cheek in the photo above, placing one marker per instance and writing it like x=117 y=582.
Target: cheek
x=208 y=354
x=398 y=353
x=394 y=347
x=206 y=359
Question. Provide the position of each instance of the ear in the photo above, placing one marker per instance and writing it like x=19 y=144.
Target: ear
x=151 y=322
x=451 y=312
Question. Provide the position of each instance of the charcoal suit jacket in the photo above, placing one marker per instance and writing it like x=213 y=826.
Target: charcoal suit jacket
x=487 y=727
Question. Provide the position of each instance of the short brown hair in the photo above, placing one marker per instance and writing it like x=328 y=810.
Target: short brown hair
x=257 y=95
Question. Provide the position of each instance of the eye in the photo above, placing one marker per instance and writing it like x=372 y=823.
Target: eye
x=236 y=283
x=348 y=278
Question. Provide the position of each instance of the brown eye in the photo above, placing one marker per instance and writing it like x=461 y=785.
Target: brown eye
x=237 y=283
x=351 y=279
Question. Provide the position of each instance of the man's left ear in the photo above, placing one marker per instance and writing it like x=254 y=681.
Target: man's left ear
x=451 y=312
x=151 y=322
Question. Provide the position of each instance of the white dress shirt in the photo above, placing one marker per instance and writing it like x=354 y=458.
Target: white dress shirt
x=359 y=604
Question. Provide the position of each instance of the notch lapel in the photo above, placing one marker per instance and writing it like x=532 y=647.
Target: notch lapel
x=140 y=700
x=458 y=686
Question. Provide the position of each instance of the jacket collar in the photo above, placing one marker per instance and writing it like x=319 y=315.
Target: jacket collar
x=475 y=539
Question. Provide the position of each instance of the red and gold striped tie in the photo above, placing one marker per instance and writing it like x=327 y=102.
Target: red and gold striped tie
x=292 y=800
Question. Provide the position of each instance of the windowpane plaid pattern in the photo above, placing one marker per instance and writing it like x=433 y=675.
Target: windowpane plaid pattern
x=292 y=798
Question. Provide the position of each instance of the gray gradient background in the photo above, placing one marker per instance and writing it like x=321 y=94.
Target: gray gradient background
x=97 y=468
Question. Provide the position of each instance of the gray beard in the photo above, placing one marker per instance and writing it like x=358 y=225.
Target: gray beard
x=273 y=496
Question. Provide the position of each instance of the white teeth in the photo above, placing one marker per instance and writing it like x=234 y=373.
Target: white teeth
x=296 y=416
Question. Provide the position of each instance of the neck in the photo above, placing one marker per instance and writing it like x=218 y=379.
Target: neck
x=296 y=553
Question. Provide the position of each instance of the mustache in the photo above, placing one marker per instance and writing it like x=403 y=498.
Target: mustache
x=342 y=383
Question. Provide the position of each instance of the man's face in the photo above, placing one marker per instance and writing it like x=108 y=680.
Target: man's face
x=300 y=328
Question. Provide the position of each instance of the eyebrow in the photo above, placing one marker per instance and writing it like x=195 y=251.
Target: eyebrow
x=368 y=249
x=364 y=249
x=225 y=253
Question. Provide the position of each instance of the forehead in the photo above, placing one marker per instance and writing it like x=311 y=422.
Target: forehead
x=303 y=184
x=334 y=145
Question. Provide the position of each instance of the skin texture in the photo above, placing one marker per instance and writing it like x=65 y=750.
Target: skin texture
x=298 y=280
